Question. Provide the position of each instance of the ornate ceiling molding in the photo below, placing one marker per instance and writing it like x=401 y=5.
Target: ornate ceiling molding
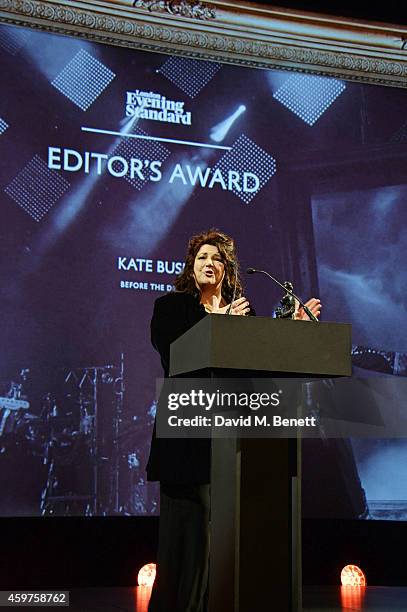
x=229 y=32
x=193 y=10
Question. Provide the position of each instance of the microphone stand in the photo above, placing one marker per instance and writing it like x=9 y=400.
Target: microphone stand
x=306 y=309
x=234 y=291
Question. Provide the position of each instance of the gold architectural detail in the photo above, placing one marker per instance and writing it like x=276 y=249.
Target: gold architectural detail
x=193 y=10
x=246 y=34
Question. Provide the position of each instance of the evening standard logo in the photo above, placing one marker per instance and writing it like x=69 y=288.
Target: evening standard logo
x=154 y=106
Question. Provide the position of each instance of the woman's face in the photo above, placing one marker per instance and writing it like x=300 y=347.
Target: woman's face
x=209 y=268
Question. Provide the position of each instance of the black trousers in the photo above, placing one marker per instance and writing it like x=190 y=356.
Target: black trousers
x=181 y=584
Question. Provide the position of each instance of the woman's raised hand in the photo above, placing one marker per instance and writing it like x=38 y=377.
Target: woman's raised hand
x=315 y=307
x=239 y=307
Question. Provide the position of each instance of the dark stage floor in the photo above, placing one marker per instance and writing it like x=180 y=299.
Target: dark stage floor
x=316 y=599
x=375 y=599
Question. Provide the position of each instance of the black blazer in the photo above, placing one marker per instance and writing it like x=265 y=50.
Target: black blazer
x=176 y=461
x=179 y=461
x=173 y=315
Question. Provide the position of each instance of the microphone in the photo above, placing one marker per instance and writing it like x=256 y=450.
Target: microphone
x=234 y=289
x=306 y=309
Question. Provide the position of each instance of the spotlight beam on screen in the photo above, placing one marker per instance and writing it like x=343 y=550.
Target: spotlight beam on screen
x=153 y=213
x=43 y=55
x=219 y=131
x=74 y=203
x=158 y=139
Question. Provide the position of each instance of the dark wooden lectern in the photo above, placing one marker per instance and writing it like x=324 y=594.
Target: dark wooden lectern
x=255 y=559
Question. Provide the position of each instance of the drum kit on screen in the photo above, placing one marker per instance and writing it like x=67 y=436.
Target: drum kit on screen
x=17 y=424
x=90 y=452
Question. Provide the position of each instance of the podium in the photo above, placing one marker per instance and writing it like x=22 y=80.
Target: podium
x=255 y=558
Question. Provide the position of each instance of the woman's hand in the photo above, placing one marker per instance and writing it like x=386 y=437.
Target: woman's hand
x=315 y=307
x=239 y=307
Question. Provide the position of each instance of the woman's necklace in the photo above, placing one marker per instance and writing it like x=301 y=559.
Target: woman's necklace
x=209 y=308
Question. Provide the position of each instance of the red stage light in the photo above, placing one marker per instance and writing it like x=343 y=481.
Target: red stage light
x=352 y=597
x=352 y=575
x=146 y=575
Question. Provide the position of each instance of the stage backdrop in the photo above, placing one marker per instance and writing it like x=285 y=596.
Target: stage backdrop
x=110 y=160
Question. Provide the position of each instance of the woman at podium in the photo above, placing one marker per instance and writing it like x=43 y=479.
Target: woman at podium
x=209 y=283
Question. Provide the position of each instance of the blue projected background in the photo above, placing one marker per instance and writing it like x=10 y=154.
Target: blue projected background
x=111 y=159
x=360 y=240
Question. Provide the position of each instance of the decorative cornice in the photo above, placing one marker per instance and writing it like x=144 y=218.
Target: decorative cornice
x=192 y=10
x=228 y=33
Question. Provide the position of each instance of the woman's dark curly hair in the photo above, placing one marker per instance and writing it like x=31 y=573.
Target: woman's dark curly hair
x=226 y=247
